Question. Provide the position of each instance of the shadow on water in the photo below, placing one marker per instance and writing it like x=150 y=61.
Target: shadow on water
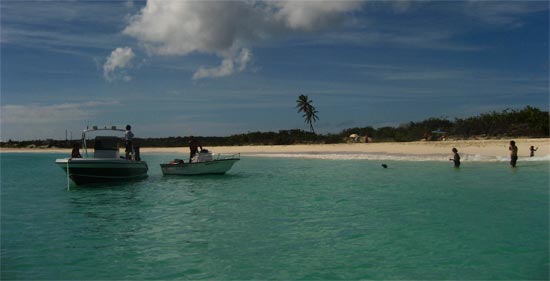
x=107 y=195
x=113 y=184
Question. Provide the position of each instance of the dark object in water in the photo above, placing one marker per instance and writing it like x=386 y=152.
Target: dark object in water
x=385 y=166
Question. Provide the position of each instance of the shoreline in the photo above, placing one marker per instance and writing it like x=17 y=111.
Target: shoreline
x=484 y=148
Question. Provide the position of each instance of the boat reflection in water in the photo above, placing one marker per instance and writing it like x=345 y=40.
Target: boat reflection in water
x=106 y=165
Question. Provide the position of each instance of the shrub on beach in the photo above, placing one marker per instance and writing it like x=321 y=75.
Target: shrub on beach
x=527 y=122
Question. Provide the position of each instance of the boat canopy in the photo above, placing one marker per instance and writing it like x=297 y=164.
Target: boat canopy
x=103 y=143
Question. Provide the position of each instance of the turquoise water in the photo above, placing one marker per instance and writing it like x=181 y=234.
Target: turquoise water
x=279 y=218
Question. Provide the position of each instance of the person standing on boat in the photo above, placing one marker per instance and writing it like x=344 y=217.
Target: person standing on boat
x=129 y=141
x=194 y=145
x=513 y=153
x=76 y=151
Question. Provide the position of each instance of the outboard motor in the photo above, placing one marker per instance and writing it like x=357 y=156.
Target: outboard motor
x=136 y=151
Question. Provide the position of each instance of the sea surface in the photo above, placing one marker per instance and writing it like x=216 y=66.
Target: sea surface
x=279 y=218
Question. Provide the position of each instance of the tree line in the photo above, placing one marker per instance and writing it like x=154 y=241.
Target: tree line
x=527 y=122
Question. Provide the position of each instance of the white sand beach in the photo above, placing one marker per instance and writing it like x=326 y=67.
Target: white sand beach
x=489 y=148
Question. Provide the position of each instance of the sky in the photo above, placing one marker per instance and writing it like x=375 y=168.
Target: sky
x=217 y=68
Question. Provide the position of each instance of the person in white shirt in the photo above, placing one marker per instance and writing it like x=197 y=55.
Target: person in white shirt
x=129 y=141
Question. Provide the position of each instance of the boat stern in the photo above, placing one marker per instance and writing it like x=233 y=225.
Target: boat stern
x=62 y=163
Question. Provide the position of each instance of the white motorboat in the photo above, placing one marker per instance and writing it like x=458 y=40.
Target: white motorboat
x=106 y=165
x=204 y=163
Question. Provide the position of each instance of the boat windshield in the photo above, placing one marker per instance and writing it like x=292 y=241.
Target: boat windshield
x=106 y=143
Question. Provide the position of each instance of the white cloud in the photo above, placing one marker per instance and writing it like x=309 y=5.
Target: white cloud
x=503 y=13
x=224 y=69
x=312 y=15
x=401 y=6
x=403 y=37
x=48 y=114
x=228 y=66
x=181 y=27
x=34 y=121
x=36 y=114
x=119 y=59
x=228 y=29
x=243 y=59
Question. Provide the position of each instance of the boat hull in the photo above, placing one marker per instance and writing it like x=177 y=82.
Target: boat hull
x=215 y=167
x=88 y=171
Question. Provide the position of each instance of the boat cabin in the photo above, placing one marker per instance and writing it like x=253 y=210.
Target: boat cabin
x=106 y=147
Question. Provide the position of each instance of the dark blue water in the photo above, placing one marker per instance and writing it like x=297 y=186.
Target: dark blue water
x=279 y=218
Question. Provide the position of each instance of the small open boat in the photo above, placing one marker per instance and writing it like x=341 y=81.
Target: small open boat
x=202 y=164
x=106 y=165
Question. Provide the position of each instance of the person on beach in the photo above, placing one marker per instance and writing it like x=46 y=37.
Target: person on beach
x=513 y=153
x=76 y=151
x=456 y=158
x=532 y=149
x=194 y=145
x=129 y=141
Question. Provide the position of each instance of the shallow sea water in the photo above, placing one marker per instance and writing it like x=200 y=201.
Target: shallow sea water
x=279 y=218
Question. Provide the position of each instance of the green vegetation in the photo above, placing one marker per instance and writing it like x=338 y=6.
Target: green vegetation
x=528 y=122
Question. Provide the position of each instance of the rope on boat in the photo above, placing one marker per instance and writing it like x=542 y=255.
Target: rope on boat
x=68 y=179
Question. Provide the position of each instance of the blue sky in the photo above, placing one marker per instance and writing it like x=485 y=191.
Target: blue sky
x=178 y=68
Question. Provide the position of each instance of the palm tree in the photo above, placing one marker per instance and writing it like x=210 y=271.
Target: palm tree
x=310 y=113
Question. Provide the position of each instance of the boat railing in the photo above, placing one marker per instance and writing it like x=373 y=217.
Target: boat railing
x=227 y=156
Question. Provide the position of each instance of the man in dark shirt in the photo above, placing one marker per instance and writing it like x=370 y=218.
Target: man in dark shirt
x=194 y=145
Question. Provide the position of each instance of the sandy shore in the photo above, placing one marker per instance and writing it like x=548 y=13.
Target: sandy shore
x=491 y=148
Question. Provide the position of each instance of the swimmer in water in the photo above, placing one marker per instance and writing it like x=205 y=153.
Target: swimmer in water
x=456 y=158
